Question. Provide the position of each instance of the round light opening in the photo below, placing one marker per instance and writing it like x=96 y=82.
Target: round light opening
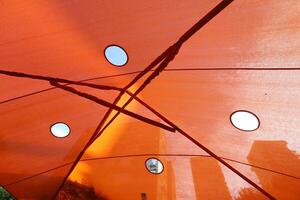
x=60 y=130
x=116 y=55
x=244 y=120
x=154 y=166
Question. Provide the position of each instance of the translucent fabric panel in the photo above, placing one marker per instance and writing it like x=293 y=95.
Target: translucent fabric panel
x=67 y=38
x=128 y=136
x=27 y=145
x=42 y=186
x=279 y=182
x=14 y=87
x=249 y=33
x=112 y=162
x=119 y=174
x=192 y=101
x=183 y=177
x=201 y=103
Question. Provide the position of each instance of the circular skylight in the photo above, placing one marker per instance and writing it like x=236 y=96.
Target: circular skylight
x=116 y=55
x=154 y=166
x=60 y=130
x=244 y=120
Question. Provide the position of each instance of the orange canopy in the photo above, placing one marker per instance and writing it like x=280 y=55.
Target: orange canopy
x=191 y=66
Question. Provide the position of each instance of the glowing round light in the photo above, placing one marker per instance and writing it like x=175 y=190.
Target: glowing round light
x=116 y=55
x=244 y=120
x=154 y=166
x=60 y=130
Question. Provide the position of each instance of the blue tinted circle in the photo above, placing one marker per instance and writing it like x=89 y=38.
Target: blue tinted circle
x=116 y=55
x=60 y=130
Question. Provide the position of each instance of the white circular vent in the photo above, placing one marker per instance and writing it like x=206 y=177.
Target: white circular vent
x=154 y=166
x=244 y=120
x=116 y=55
x=60 y=130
